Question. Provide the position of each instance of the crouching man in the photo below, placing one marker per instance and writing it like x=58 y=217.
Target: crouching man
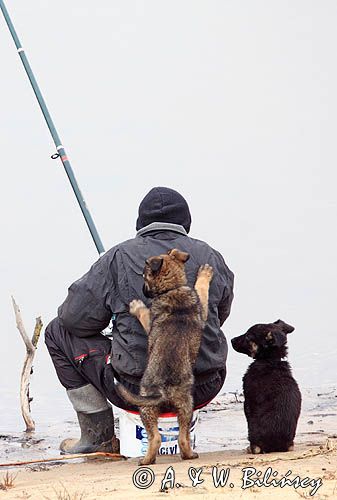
x=86 y=361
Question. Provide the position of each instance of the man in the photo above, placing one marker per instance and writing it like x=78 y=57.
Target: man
x=86 y=361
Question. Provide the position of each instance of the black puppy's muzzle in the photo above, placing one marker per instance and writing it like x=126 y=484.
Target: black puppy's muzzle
x=239 y=344
x=235 y=343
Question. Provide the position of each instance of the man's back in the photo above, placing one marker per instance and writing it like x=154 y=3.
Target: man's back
x=120 y=272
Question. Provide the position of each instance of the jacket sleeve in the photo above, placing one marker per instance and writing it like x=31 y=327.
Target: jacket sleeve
x=224 y=306
x=85 y=311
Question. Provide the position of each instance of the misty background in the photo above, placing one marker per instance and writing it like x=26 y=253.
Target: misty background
x=232 y=103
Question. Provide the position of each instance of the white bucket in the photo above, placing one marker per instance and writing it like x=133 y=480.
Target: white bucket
x=133 y=436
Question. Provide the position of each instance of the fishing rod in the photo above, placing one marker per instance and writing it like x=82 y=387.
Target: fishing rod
x=60 y=151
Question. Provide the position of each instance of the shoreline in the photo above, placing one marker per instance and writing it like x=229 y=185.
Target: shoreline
x=308 y=470
x=221 y=444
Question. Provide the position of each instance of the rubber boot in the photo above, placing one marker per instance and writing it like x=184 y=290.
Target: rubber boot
x=97 y=434
x=96 y=421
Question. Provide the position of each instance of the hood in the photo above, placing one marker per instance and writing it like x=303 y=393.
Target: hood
x=163 y=204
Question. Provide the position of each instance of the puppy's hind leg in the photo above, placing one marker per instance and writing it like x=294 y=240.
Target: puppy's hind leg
x=142 y=313
x=185 y=412
x=205 y=275
x=149 y=416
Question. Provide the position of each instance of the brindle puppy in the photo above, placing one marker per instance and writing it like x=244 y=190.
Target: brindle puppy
x=175 y=325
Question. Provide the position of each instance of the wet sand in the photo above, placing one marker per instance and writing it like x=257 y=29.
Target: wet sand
x=221 y=442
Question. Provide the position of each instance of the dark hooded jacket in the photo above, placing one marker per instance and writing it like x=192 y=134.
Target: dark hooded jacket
x=117 y=278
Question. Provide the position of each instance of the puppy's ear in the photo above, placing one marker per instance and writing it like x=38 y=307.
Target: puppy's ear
x=155 y=263
x=179 y=255
x=284 y=326
x=276 y=339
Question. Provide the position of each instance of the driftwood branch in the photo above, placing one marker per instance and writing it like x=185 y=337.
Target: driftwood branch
x=27 y=365
x=37 y=331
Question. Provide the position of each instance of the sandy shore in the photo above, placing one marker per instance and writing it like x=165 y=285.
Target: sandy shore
x=105 y=479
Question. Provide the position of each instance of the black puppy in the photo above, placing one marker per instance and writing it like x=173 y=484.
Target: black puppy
x=272 y=397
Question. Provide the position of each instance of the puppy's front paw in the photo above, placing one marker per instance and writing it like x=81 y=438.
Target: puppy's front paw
x=256 y=450
x=205 y=272
x=135 y=306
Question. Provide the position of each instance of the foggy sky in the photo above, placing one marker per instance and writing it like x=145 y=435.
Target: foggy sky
x=231 y=103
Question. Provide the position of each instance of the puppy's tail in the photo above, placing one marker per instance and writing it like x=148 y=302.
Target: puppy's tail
x=137 y=400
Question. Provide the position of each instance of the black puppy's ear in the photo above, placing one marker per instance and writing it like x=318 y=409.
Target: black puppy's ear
x=179 y=255
x=284 y=326
x=276 y=339
x=155 y=263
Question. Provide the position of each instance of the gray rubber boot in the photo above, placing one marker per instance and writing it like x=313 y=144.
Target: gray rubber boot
x=96 y=421
x=97 y=434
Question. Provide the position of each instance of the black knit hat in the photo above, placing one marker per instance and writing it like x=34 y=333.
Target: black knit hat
x=163 y=204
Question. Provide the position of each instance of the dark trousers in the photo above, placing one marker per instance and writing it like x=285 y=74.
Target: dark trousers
x=79 y=361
